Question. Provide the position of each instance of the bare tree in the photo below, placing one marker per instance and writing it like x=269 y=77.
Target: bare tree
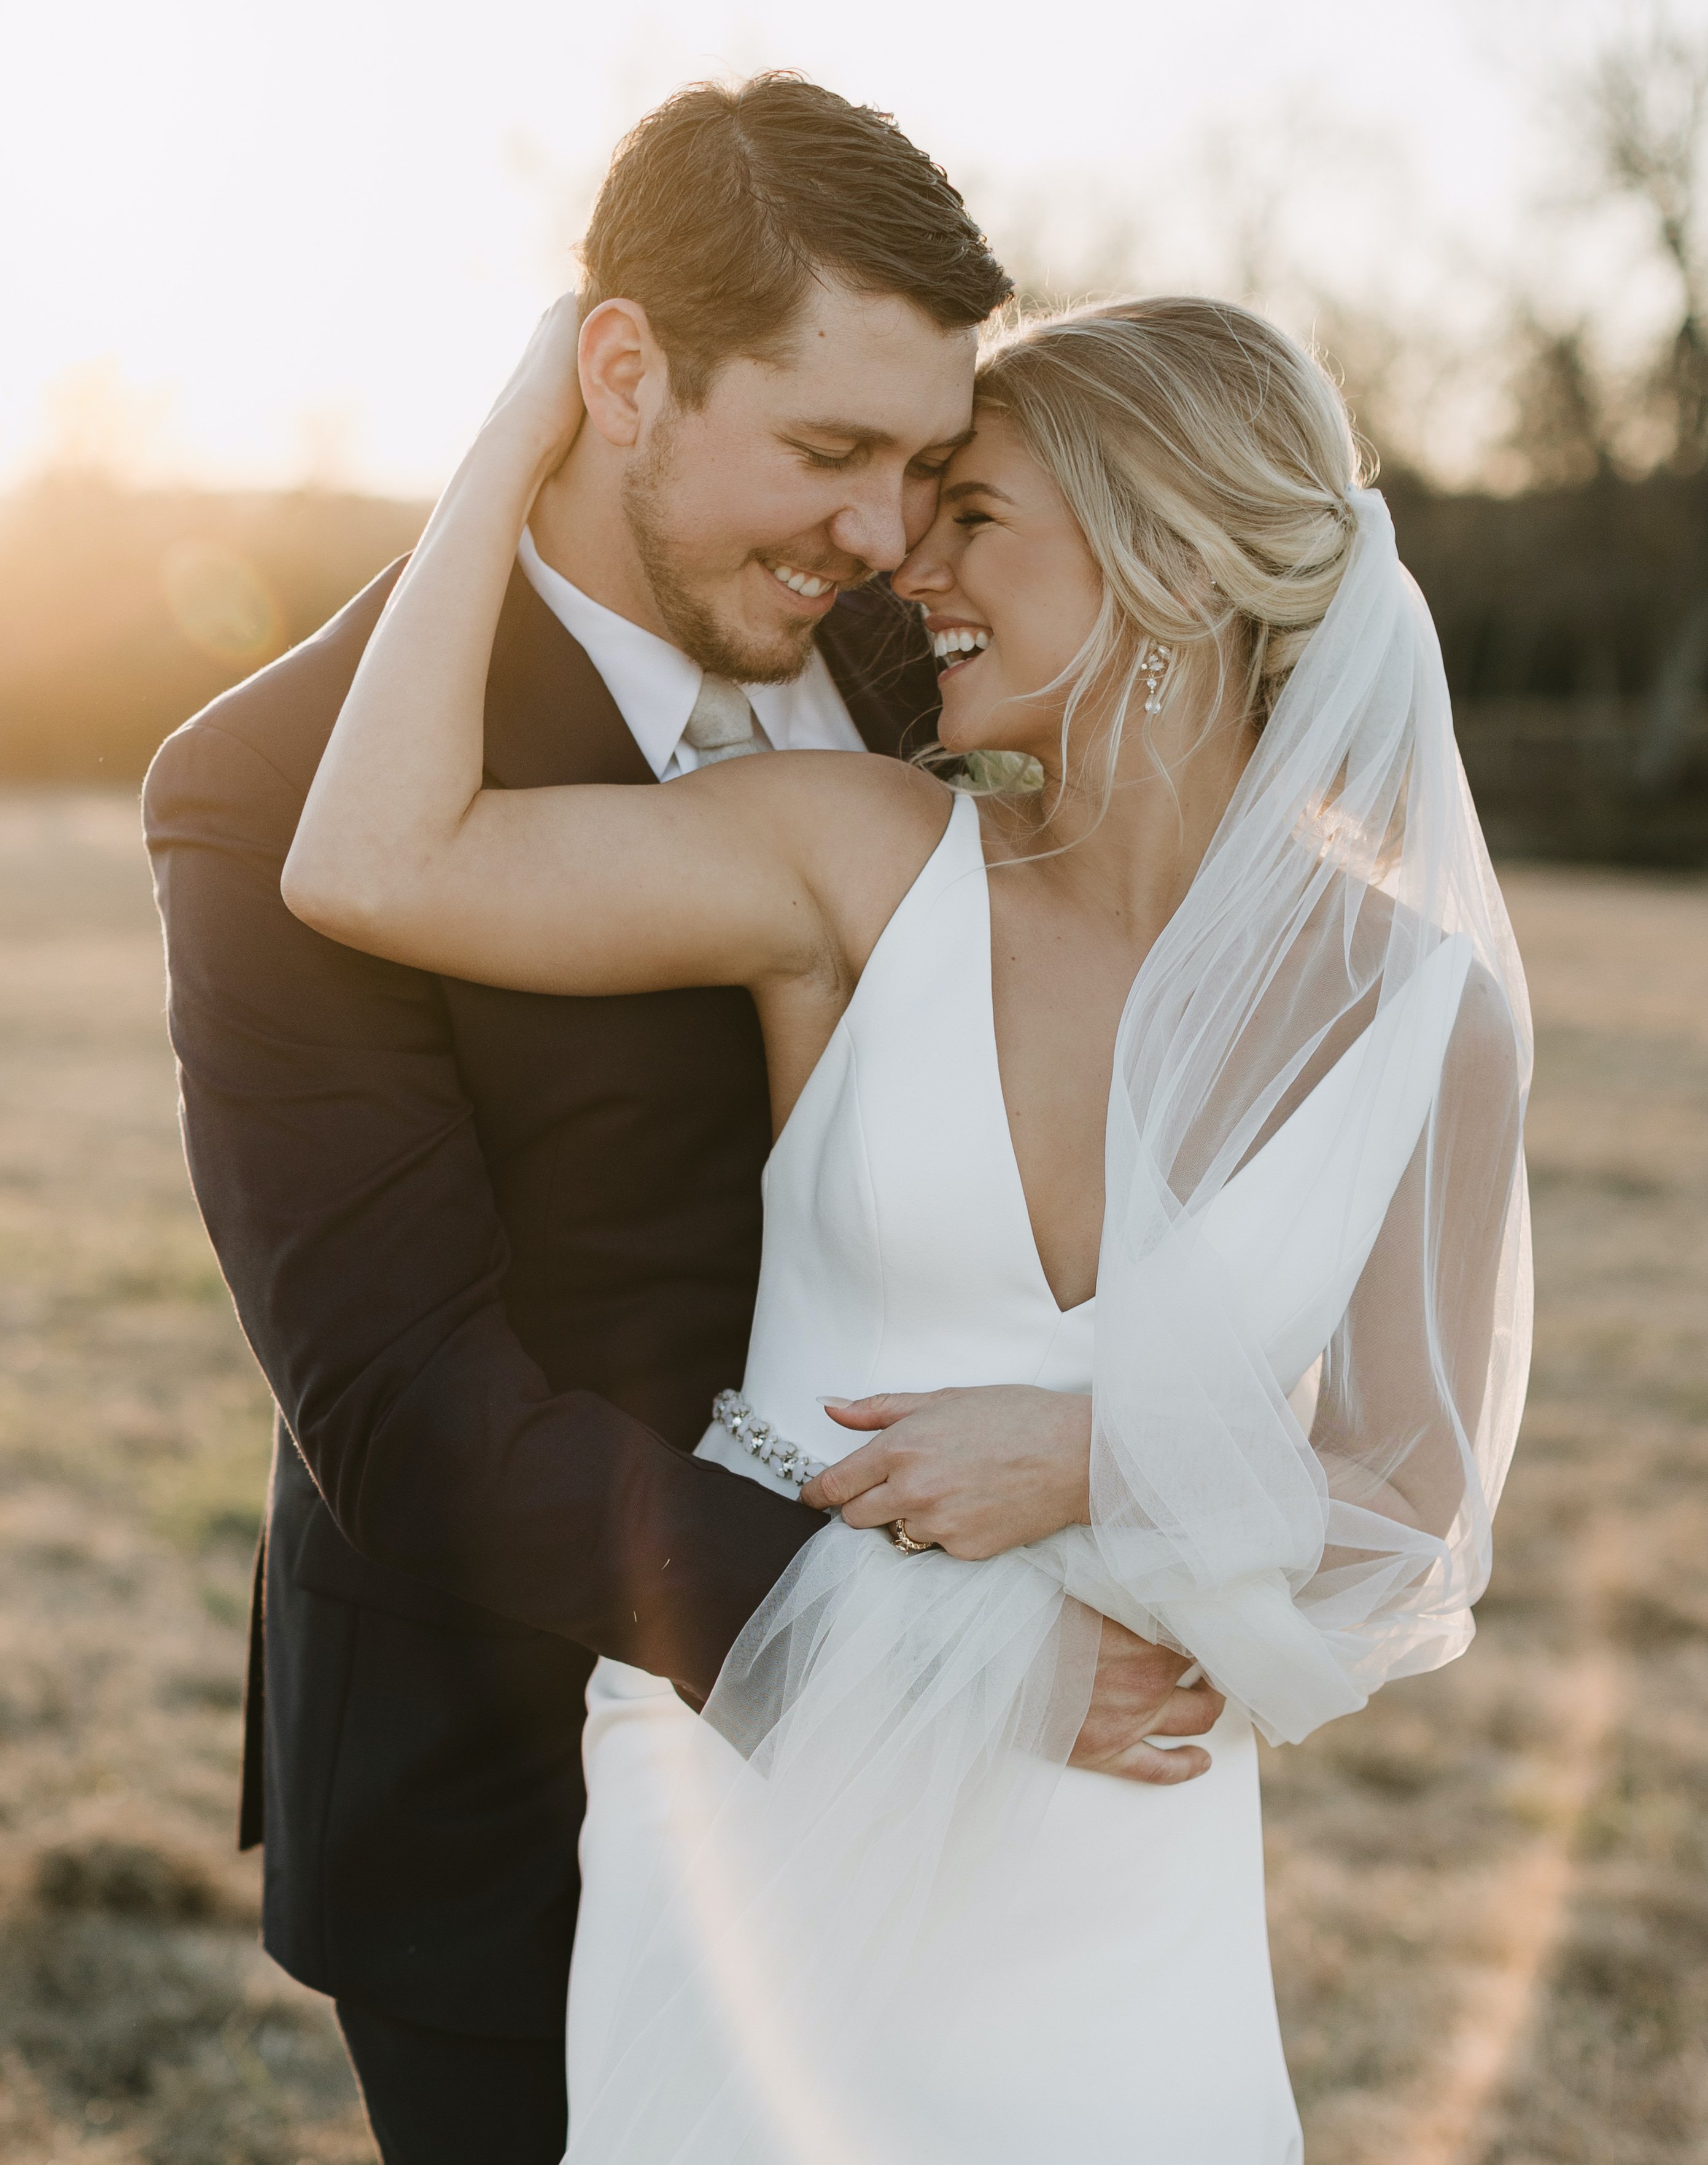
x=1644 y=101
x=1562 y=427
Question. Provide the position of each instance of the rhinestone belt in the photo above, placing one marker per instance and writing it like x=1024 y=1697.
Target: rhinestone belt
x=733 y=1413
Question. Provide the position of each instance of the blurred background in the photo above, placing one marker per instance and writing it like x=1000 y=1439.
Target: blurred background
x=263 y=270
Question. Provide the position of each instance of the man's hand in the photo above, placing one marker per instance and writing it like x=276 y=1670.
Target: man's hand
x=1137 y=1695
x=975 y=1471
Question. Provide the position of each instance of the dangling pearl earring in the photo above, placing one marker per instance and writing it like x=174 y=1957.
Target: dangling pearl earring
x=1154 y=668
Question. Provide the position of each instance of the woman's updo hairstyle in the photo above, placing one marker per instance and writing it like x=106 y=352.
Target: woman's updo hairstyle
x=1209 y=461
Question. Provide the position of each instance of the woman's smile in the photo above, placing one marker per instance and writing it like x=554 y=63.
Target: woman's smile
x=956 y=643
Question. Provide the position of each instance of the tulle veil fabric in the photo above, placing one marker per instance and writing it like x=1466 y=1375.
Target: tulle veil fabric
x=1312 y=1340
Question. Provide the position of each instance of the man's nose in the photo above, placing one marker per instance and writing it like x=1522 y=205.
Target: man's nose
x=922 y=574
x=871 y=528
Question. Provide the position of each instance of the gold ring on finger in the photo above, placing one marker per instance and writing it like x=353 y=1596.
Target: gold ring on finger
x=905 y=1541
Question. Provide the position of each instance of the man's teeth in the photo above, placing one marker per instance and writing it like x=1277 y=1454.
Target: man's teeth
x=800 y=582
x=962 y=639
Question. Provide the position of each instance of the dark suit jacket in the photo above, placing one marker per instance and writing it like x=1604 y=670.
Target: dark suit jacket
x=495 y=1252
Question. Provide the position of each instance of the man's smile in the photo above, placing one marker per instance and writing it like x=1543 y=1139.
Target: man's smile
x=805 y=583
x=809 y=594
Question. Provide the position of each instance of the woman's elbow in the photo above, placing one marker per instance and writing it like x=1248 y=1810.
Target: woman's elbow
x=329 y=898
x=1433 y=1484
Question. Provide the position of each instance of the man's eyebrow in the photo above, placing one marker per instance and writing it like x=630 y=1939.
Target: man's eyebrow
x=853 y=432
x=974 y=489
x=865 y=437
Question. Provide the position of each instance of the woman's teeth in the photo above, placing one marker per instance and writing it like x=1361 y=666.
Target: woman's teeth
x=962 y=639
x=800 y=582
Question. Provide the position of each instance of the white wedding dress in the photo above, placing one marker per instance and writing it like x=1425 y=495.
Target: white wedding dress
x=1123 y=2013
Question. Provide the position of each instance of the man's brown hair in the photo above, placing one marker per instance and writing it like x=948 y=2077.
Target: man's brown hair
x=722 y=206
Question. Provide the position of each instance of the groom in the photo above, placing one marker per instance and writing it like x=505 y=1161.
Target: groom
x=497 y=1252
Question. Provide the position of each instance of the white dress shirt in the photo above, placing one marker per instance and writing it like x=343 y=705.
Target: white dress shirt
x=655 y=684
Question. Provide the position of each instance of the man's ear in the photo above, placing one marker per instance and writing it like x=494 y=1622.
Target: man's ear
x=623 y=373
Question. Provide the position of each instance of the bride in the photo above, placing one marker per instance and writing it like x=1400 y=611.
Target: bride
x=1191 y=1079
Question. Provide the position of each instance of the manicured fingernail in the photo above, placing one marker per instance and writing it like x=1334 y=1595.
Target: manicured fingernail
x=835 y=1402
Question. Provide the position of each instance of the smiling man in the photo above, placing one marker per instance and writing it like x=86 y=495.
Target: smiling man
x=496 y=1252
x=686 y=538
x=776 y=370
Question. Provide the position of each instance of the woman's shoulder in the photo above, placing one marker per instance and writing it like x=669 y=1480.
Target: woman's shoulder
x=831 y=805
x=880 y=786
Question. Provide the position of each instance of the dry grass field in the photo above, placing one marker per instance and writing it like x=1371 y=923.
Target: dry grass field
x=1489 y=1905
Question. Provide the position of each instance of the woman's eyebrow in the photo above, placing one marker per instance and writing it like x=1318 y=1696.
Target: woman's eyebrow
x=974 y=489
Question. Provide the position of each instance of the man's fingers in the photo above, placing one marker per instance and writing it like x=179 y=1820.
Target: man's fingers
x=1189 y=1713
x=1164 y=1769
x=1141 y=1760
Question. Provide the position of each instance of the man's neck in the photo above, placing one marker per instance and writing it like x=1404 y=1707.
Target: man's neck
x=580 y=531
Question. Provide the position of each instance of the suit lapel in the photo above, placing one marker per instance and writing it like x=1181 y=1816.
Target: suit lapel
x=548 y=716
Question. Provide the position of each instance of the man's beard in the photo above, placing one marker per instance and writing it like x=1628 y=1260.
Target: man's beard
x=694 y=625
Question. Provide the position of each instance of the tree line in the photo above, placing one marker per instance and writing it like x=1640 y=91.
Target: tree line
x=1572 y=623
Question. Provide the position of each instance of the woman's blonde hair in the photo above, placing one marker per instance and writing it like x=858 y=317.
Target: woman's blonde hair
x=1209 y=461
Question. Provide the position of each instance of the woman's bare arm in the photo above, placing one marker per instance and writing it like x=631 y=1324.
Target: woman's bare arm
x=721 y=879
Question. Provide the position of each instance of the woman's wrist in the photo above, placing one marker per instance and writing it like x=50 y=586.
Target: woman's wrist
x=538 y=414
x=527 y=444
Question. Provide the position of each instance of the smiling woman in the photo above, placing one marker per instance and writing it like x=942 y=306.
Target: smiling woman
x=1012 y=594
x=1184 y=493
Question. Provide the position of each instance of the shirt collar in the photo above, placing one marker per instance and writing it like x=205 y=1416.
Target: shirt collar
x=654 y=683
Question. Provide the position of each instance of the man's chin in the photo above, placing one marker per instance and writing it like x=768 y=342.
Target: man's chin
x=776 y=661
x=744 y=652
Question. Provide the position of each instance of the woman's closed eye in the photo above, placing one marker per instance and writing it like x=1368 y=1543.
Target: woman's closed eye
x=971 y=519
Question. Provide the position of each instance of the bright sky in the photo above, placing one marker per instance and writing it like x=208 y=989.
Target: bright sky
x=265 y=243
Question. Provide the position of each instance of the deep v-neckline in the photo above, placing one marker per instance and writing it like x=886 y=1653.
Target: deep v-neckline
x=950 y=861
x=1008 y=1153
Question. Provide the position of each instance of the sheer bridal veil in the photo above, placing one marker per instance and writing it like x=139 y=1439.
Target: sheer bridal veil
x=1312 y=1336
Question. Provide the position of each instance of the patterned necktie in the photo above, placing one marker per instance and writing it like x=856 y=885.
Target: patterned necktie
x=723 y=725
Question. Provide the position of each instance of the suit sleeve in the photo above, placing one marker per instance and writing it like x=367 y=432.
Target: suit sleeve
x=334 y=1157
